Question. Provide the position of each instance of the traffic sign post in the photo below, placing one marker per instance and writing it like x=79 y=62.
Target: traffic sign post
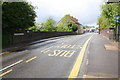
x=117 y=31
x=116 y=17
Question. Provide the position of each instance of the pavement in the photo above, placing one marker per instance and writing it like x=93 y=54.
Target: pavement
x=75 y=56
x=102 y=59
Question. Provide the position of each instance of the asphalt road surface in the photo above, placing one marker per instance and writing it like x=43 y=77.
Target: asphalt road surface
x=50 y=59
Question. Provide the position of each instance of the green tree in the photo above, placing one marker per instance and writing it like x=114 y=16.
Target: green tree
x=84 y=27
x=49 y=25
x=34 y=28
x=72 y=26
x=17 y=16
x=67 y=24
x=106 y=19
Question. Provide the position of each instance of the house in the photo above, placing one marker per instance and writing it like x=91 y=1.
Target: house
x=69 y=18
x=80 y=28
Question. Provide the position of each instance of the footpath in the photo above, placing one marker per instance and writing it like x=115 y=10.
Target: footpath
x=102 y=56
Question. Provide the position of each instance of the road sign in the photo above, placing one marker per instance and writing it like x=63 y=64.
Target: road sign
x=118 y=20
x=116 y=17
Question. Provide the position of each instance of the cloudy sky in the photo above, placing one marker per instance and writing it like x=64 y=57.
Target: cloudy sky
x=86 y=11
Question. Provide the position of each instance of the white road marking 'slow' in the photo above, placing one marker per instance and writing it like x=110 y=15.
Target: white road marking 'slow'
x=11 y=65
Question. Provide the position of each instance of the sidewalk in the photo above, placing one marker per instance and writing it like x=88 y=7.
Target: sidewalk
x=102 y=58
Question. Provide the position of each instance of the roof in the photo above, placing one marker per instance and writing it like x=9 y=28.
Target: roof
x=75 y=20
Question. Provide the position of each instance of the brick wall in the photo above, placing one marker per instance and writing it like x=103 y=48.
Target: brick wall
x=109 y=33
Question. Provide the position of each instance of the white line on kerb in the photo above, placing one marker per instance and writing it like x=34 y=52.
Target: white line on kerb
x=11 y=65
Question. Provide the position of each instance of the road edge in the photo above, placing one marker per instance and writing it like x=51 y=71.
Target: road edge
x=76 y=68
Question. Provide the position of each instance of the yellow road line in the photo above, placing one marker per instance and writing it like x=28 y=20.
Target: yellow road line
x=31 y=59
x=77 y=65
x=7 y=52
x=5 y=73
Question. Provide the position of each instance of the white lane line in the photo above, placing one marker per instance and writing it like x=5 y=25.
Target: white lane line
x=11 y=65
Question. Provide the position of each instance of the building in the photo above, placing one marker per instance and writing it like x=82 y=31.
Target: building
x=80 y=28
x=69 y=18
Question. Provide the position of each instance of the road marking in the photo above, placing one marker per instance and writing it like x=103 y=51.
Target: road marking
x=5 y=73
x=93 y=76
x=73 y=46
x=46 y=49
x=54 y=53
x=77 y=65
x=11 y=65
x=59 y=52
x=31 y=59
x=64 y=53
x=64 y=46
x=7 y=52
x=80 y=47
x=68 y=54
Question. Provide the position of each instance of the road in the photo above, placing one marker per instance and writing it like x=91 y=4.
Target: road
x=51 y=59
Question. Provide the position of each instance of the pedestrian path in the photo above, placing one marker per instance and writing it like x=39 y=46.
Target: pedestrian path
x=102 y=62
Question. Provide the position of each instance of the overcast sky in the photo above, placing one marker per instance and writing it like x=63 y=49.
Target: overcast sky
x=86 y=11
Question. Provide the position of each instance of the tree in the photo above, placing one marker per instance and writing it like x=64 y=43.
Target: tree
x=67 y=24
x=17 y=16
x=106 y=19
x=84 y=27
x=34 y=28
x=72 y=26
x=49 y=25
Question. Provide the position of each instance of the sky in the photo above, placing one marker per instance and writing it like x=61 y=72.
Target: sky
x=86 y=11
